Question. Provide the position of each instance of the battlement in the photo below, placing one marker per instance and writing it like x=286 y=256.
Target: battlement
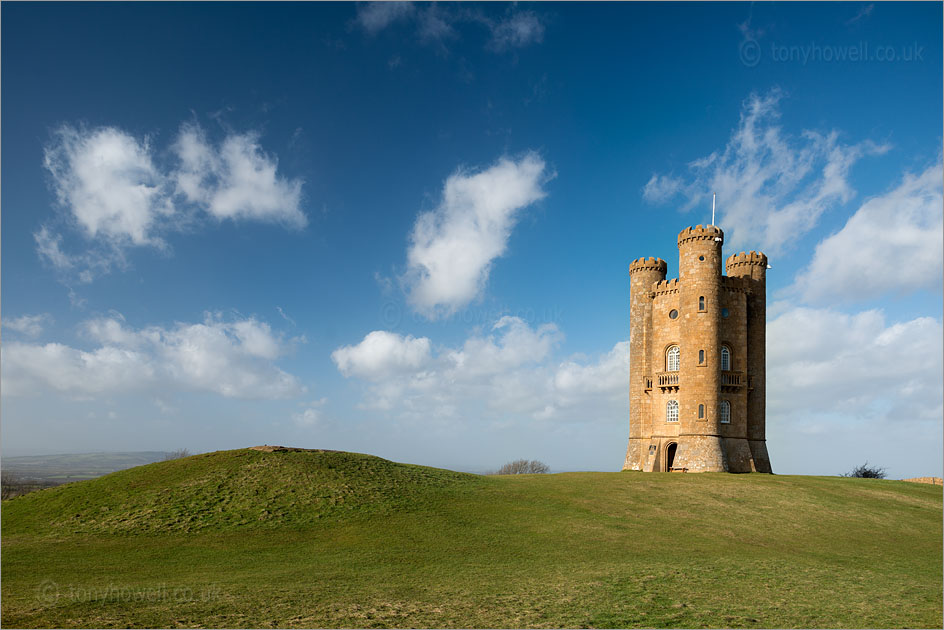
x=647 y=264
x=746 y=258
x=665 y=286
x=700 y=233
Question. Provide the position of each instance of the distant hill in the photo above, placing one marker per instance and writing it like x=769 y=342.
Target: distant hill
x=76 y=466
x=228 y=490
x=293 y=538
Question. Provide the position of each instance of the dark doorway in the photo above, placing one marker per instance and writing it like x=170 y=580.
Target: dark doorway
x=670 y=456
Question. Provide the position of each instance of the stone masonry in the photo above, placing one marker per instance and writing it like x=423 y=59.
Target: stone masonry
x=697 y=360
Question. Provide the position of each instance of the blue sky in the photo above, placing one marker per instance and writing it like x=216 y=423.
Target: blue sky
x=404 y=229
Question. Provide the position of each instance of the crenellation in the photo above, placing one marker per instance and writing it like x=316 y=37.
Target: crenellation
x=664 y=287
x=648 y=264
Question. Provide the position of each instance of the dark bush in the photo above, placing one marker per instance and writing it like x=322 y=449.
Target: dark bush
x=866 y=472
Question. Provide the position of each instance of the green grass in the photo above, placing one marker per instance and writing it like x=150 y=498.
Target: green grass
x=244 y=538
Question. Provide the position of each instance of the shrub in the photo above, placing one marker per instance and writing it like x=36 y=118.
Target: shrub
x=867 y=472
x=523 y=467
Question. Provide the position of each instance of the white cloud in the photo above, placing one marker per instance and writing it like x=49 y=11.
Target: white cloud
x=382 y=354
x=895 y=241
x=118 y=196
x=312 y=415
x=452 y=247
x=376 y=16
x=436 y=23
x=232 y=359
x=519 y=29
x=821 y=361
x=109 y=183
x=772 y=188
x=28 y=325
x=237 y=180
x=661 y=188
x=507 y=373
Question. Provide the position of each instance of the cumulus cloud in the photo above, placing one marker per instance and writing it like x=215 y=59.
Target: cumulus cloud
x=771 y=187
x=27 y=325
x=237 y=180
x=108 y=181
x=902 y=229
x=118 y=196
x=508 y=372
x=232 y=359
x=382 y=354
x=452 y=247
x=823 y=361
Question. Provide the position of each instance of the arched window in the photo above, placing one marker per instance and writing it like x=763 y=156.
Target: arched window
x=671 y=411
x=725 y=358
x=701 y=412
x=725 y=412
x=701 y=303
x=672 y=359
x=701 y=357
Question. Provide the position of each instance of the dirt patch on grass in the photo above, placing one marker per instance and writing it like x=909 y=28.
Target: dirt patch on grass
x=265 y=448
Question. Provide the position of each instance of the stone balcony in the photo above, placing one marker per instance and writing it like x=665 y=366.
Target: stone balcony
x=667 y=380
x=733 y=380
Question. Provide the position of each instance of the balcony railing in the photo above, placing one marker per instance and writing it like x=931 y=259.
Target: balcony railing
x=667 y=380
x=732 y=379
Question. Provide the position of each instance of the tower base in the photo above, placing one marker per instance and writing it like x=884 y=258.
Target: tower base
x=697 y=453
x=636 y=454
x=760 y=456
x=739 y=455
x=701 y=453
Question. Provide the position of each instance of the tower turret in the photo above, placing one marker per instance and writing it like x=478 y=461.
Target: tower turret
x=643 y=274
x=752 y=268
x=700 y=444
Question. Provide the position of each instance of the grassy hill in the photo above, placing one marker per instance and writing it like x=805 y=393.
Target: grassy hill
x=319 y=538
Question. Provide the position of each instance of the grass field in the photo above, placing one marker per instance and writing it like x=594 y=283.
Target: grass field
x=246 y=538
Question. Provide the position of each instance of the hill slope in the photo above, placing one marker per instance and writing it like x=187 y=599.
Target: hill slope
x=353 y=540
x=227 y=490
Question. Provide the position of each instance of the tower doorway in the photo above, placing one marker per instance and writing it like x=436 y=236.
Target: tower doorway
x=670 y=456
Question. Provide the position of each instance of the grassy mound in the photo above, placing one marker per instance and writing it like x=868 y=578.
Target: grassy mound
x=320 y=539
x=229 y=490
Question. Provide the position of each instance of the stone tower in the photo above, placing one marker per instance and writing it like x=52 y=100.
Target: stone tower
x=697 y=360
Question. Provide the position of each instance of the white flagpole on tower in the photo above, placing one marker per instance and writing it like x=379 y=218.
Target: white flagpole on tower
x=713 y=195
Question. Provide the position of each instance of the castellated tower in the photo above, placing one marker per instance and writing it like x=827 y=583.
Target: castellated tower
x=697 y=360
